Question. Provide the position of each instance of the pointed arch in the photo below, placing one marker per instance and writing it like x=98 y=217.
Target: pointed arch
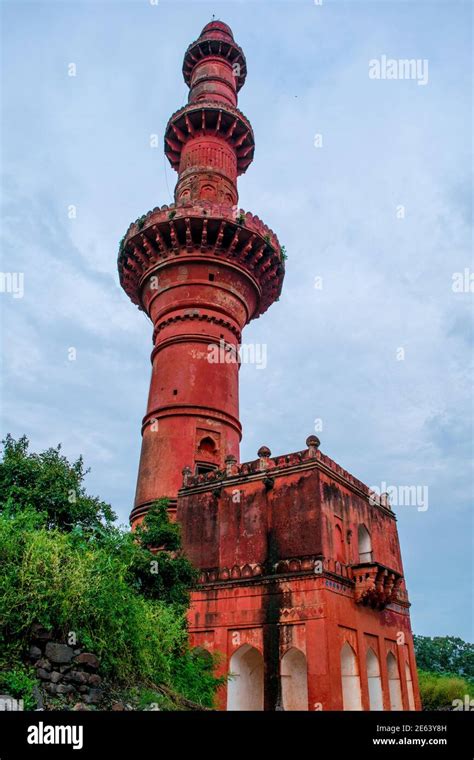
x=245 y=688
x=374 y=680
x=411 y=693
x=339 y=553
x=364 y=544
x=294 y=680
x=394 y=686
x=351 y=695
x=207 y=445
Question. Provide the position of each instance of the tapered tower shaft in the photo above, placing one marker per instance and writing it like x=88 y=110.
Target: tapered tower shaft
x=201 y=269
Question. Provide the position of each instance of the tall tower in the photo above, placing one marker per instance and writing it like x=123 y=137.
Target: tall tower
x=201 y=269
x=301 y=587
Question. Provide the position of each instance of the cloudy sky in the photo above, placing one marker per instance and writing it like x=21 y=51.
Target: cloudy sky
x=375 y=212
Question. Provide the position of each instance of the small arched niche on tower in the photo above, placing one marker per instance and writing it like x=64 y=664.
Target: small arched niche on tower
x=207 y=452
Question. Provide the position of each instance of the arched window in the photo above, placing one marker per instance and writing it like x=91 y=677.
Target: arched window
x=339 y=553
x=394 y=686
x=207 y=445
x=245 y=688
x=365 y=544
x=294 y=680
x=374 y=680
x=411 y=695
x=351 y=698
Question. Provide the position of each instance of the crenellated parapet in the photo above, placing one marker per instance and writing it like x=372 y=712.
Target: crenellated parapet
x=267 y=468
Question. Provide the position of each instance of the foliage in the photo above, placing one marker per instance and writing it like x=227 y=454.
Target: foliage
x=444 y=654
x=438 y=691
x=66 y=566
x=49 y=484
x=19 y=682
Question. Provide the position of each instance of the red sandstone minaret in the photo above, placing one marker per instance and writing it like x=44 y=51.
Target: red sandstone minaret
x=301 y=589
x=201 y=269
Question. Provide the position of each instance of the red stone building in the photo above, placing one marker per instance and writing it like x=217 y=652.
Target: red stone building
x=301 y=587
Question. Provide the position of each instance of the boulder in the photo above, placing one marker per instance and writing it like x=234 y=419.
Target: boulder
x=77 y=677
x=93 y=697
x=64 y=688
x=43 y=663
x=34 y=653
x=88 y=659
x=59 y=653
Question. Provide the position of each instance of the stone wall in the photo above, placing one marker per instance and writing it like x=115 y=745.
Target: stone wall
x=63 y=670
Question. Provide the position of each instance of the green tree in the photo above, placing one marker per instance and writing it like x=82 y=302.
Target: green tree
x=445 y=654
x=50 y=484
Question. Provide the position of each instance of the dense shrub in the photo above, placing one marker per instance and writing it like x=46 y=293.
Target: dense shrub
x=71 y=570
x=439 y=690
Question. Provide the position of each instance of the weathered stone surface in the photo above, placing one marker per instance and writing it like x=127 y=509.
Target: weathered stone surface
x=64 y=688
x=43 y=663
x=77 y=677
x=94 y=680
x=59 y=653
x=38 y=697
x=86 y=658
x=80 y=706
x=55 y=677
x=118 y=706
x=94 y=696
x=34 y=652
x=83 y=689
x=43 y=674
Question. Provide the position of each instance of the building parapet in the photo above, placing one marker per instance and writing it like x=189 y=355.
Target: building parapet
x=267 y=468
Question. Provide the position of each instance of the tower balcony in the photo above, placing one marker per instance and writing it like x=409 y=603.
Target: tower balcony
x=210 y=118
x=206 y=230
x=376 y=585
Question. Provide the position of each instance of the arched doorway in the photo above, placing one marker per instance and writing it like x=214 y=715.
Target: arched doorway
x=374 y=680
x=351 y=697
x=294 y=680
x=394 y=685
x=411 y=694
x=245 y=687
